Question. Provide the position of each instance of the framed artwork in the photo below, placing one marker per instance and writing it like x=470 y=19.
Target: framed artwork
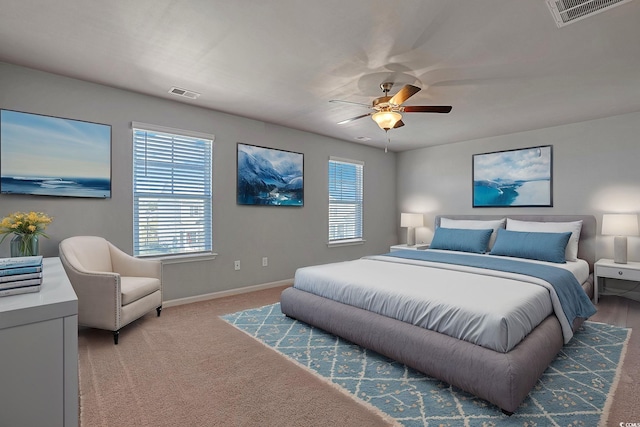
x=270 y=177
x=53 y=156
x=521 y=177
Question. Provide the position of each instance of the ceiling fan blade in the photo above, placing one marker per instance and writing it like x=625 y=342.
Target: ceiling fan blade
x=354 y=118
x=399 y=124
x=405 y=93
x=350 y=102
x=427 y=108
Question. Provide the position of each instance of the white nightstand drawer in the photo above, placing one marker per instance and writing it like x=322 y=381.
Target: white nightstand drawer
x=618 y=273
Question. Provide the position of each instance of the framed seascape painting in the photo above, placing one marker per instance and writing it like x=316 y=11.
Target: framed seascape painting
x=520 y=177
x=53 y=156
x=271 y=177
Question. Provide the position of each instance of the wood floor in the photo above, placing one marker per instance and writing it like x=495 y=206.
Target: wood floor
x=620 y=311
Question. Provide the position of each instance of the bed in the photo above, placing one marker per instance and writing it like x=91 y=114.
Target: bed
x=501 y=373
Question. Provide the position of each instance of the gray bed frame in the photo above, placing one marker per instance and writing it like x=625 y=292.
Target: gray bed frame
x=504 y=379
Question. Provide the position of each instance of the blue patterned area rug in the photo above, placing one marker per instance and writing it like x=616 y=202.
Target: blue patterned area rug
x=574 y=390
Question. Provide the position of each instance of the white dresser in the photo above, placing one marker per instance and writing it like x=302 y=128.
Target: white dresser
x=39 y=353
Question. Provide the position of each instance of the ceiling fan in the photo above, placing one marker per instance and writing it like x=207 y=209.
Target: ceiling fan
x=388 y=109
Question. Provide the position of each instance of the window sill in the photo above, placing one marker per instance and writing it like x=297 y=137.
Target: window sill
x=346 y=243
x=178 y=259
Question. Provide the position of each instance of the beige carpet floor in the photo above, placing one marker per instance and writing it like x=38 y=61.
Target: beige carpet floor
x=189 y=368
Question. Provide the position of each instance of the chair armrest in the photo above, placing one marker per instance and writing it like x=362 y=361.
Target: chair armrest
x=128 y=265
x=104 y=287
x=100 y=293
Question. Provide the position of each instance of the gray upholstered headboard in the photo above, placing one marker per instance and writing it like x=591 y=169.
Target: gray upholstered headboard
x=586 y=245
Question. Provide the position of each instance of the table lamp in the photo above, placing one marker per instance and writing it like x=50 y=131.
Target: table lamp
x=621 y=226
x=411 y=221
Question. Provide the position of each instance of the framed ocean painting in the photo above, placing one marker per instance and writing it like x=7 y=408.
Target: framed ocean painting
x=521 y=177
x=270 y=177
x=54 y=156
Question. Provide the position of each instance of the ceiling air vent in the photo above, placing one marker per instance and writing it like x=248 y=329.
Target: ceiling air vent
x=183 y=92
x=566 y=12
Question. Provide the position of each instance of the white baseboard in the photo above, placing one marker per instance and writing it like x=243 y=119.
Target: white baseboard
x=222 y=294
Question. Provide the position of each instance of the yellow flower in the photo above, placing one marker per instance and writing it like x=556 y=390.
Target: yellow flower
x=20 y=223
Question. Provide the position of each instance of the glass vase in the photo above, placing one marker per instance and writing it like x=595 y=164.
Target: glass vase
x=24 y=245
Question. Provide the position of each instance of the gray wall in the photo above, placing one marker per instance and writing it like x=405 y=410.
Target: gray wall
x=289 y=237
x=595 y=170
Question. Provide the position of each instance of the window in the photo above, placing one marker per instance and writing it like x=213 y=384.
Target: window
x=171 y=191
x=345 y=200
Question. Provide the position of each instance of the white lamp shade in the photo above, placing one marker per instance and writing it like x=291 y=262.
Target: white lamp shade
x=411 y=220
x=620 y=224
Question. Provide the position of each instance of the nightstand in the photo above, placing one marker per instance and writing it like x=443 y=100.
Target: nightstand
x=404 y=247
x=606 y=268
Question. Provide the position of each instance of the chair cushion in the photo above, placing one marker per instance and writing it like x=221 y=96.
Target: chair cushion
x=134 y=288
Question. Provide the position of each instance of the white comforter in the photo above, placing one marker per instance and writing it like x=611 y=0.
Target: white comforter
x=488 y=308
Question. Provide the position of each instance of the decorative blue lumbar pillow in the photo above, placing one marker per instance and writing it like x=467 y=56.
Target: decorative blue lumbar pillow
x=532 y=245
x=458 y=239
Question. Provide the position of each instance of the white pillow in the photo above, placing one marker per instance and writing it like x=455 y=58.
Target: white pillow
x=571 y=253
x=470 y=224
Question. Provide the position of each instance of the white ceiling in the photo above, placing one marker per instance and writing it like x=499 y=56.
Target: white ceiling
x=503 y=65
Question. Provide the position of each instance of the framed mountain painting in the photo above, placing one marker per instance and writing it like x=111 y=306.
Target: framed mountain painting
x=269 y=177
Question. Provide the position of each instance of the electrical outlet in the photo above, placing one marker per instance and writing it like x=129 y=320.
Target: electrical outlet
x=265 y=261
x=236 y=265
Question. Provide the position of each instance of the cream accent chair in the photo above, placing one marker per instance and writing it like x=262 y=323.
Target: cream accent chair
x=113 y=288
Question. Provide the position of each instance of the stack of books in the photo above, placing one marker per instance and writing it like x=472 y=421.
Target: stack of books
x=20 y=275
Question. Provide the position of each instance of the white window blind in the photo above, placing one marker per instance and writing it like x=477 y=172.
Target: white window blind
x=345 y=200
x=171 y=192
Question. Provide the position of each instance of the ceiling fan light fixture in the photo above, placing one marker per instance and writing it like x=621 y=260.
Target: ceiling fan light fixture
x=386 y=119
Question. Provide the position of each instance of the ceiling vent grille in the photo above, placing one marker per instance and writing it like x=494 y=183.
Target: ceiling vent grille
x=183 y=92
x=566 y=12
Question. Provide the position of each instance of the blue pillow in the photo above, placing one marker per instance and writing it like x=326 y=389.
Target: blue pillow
x=531 y=245
x=458 y=239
